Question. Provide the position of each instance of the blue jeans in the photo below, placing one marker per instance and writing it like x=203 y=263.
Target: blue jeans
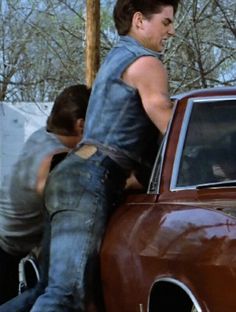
x=9 y=281
x=24 y=301
x=80 y=196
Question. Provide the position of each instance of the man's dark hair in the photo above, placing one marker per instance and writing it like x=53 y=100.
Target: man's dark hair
x=70 y=105
x=125 y=9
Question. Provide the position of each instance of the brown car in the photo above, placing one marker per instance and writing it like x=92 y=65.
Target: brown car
x=173 y=249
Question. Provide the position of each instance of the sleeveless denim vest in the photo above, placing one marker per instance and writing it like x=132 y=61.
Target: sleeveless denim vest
x=116 y=120
x=21 y=215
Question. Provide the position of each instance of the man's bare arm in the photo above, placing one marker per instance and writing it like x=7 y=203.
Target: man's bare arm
x=149 y=77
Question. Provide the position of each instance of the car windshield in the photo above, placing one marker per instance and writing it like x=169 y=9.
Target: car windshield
x=208 y=151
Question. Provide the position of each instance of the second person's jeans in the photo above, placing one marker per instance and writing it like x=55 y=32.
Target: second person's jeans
x=24 y=301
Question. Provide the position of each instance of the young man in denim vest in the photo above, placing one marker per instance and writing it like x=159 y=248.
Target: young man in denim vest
x=129 y=104
x=22 y=217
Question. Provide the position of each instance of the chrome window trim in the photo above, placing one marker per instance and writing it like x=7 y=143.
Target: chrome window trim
x=182 y=286
x=182 y=137
x=155 y=179
x=154 y=183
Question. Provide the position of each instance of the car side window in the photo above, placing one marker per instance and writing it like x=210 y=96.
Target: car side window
x=207 y=153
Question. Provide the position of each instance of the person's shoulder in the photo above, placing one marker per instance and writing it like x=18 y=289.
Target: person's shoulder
x=41 y=134
x=145 y=64
x=38 y=137
x=148 y=61
x=37 y=132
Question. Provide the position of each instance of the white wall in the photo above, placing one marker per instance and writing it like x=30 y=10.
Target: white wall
x=17 y=122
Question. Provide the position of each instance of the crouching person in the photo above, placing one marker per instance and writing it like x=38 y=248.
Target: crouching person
x=23 y=220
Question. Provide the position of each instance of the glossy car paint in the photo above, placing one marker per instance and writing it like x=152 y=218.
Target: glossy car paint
x=168 y=249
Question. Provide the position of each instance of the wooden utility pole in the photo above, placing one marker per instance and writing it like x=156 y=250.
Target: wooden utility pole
x=92 y=40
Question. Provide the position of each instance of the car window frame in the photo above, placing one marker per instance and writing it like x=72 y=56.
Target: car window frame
x=155 y=178
x=182 y=137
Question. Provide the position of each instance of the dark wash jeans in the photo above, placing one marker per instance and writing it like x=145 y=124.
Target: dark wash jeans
x=24 y=302
x=80 y=196
x=9 y=281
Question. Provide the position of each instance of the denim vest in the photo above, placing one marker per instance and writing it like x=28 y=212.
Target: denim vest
x=116 y=120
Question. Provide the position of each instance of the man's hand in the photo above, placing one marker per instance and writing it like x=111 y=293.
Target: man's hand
x=133 y=184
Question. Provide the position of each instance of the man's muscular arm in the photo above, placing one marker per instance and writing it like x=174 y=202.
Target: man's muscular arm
x=149 y=77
